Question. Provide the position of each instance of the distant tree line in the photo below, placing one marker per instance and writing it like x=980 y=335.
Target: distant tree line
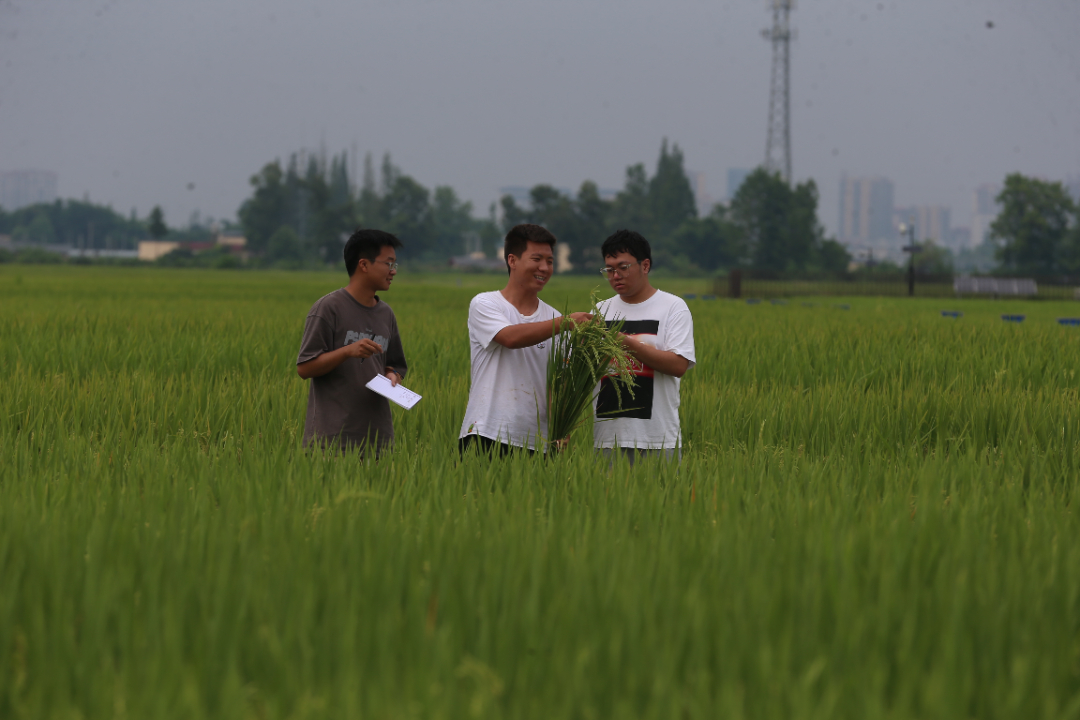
x=768 y=224
x=304 y=212
x=72 y=222
x=300 y=214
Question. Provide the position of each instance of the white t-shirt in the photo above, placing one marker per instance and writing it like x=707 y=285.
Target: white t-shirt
x=650 y=419
x=508 y=393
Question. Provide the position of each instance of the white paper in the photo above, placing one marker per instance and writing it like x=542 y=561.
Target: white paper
x=398 y=394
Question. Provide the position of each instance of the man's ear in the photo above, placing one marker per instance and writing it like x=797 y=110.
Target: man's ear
x=646 y=265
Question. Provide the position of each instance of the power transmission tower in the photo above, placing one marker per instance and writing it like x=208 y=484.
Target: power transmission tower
x=778 y=143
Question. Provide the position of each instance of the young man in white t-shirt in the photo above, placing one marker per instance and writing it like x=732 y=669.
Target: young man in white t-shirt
x=508 y=334
x=659 y=333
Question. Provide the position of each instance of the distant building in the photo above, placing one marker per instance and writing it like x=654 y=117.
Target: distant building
x=984 y=209
x=735 y=178
x=702 y=199
x=26 y=187
x=932 y=222
x=562 y=258
x=151 y=250
x=232 y=239
x=866 y=212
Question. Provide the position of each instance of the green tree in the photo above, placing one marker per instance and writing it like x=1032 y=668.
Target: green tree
x=933 y=259
x=451 y=220
x=804 y=233
x=285 y=248
x=155 y=223
x=671 y=199
x=407 y=213
x=1070 y=252
x=1033 y=226
x=592 y=214
x=632 y=209
x=330 y=213
x=296 y=206
x=760 y=209
x=833 y=257
x=781 y=227
x=711 y=243
x=512 y=213
x=41 y=229
x=369 y=204
x=491 y=235
x=263 y=213
x=340 y=184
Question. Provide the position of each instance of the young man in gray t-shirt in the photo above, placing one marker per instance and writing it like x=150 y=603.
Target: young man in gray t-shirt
x=350 y=337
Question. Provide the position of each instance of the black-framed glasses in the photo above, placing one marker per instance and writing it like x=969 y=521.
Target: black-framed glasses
x=621 y=268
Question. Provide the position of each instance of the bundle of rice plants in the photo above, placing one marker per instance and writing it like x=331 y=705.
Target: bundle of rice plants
x=581 y=354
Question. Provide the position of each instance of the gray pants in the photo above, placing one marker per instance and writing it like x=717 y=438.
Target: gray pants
x=633 y=454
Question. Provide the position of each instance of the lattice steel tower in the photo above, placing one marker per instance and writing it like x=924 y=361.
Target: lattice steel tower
x=778 y=143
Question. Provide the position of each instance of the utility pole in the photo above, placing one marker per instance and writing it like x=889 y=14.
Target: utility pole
x=911 y=247
x=778 y=142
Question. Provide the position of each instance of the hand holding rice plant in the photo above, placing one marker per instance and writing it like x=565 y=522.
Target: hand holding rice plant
x=581 y=354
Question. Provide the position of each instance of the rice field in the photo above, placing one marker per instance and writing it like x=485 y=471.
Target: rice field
x=872 y=519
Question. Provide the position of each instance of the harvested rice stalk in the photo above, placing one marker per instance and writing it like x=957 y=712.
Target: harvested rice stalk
x=580 y=355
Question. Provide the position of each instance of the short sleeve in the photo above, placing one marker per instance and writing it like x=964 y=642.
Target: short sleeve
x=485 y=321
x=318 y=339
x=680 y=333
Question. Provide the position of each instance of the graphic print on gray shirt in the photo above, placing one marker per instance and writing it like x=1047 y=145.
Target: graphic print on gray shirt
x=339 y=407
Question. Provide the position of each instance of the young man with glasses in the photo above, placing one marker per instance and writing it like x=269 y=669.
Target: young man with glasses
x=659 y=333
x=508 y=330
x=350 y=337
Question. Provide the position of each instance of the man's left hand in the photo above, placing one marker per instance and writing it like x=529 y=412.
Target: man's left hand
x=393 y=377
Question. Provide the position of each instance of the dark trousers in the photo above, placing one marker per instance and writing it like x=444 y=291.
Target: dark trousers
x=487 y=446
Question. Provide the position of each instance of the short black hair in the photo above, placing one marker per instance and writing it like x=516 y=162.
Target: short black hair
x=366 y=244
x=627 y=241
x=519 y=237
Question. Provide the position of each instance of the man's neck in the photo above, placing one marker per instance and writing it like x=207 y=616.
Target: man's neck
x=361 y=292
x=646 y=292
x=524 y=299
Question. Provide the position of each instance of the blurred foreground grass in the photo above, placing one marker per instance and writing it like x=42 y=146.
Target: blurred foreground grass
x=872 y=518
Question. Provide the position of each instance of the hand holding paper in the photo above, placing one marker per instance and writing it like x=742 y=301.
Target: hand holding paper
x=398 y=394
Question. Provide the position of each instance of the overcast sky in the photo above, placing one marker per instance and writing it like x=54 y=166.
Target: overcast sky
x=130 y=101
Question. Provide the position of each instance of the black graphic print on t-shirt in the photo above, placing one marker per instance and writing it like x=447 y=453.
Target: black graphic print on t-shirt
x=640 y=405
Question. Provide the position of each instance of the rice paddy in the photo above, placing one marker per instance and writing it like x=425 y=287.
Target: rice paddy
x=872 y=518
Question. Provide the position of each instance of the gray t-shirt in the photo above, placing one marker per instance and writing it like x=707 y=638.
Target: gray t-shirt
x=339 y=407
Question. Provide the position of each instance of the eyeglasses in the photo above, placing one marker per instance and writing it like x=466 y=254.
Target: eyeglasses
x=621 y=268
x=387 y=263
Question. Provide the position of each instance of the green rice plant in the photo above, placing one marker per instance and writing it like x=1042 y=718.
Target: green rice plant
x=581 y=354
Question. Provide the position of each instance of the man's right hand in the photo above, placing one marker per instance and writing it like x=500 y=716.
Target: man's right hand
x=578 y=317
x=362 y=349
